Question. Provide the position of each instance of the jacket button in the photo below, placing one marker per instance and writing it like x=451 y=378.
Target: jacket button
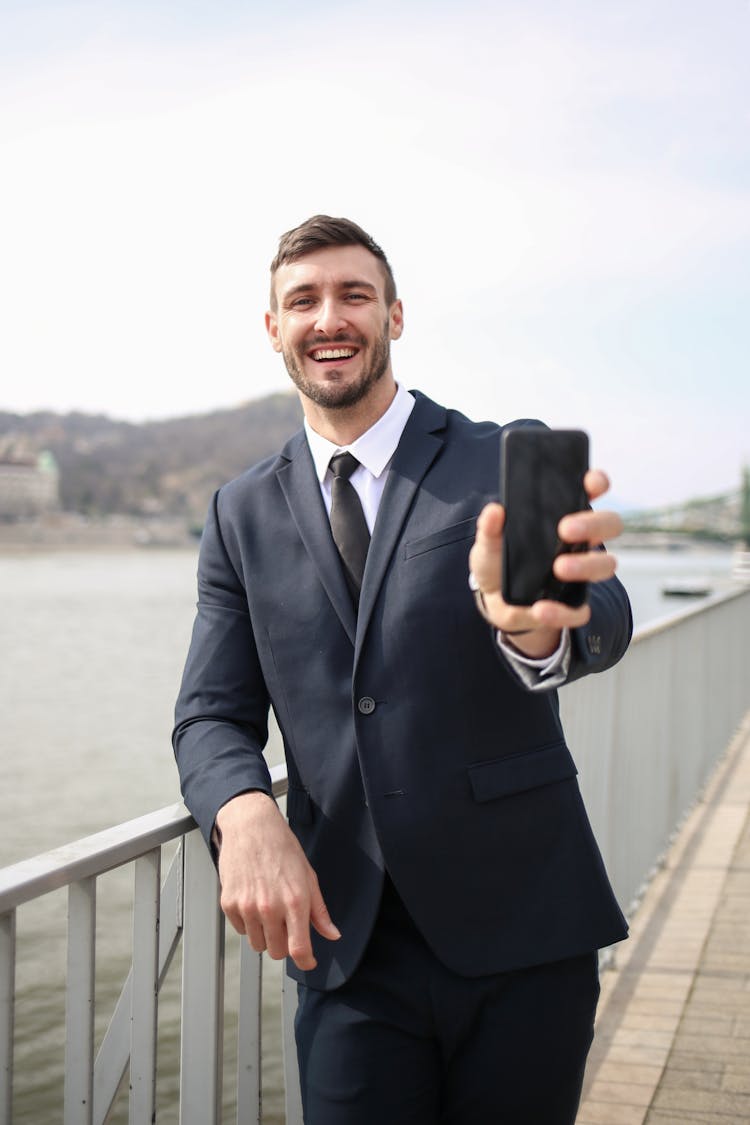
x=366 y=705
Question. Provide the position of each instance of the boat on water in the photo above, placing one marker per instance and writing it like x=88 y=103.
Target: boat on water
x=698 y=587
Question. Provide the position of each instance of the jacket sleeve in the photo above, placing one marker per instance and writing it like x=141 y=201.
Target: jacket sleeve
x=603 y=641
x=594 y=647
x=221 y=716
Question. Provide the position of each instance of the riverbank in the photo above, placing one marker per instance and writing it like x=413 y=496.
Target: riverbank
x=65 y=531
x=74 y=531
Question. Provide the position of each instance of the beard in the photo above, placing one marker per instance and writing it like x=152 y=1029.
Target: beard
x=335 y=395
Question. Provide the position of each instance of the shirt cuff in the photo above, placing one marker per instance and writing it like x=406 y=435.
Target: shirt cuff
x=535 y=673
x=538 y=674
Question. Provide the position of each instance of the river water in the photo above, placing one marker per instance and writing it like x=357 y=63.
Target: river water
x=92 y=648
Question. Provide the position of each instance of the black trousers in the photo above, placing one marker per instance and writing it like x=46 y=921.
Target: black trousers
x=407 y=1042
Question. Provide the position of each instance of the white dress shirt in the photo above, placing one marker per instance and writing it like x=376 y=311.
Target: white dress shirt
x=374 y=450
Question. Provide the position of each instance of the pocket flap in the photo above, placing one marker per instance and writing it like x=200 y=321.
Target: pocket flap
x=466 y=529
x=504 y=776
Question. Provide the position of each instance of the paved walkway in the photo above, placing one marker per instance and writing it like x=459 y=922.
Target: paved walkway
x=673 y=1032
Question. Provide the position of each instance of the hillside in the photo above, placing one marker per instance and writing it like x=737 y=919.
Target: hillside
x=169 y=467
x=725 y=517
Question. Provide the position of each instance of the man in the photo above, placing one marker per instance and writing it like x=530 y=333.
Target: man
x=437 y=890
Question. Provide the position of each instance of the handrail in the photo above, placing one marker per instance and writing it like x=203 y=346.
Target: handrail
x=101 y=852
x=180 y=909
x=647 y=733
x=674 y=619
x=91 y=856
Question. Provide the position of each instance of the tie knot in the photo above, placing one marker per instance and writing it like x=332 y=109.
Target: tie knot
x=343 y=465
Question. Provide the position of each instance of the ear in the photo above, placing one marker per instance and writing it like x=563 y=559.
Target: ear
x=272 y=328
x=396 y=319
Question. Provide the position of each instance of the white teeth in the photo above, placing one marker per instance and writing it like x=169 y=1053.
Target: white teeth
x=334 y=353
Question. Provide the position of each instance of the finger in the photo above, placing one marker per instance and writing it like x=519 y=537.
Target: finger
x=589 y=527
x=276 y=937
x=596 y=483
x=234 y=918
x=591 y=566
x=321 y=919
x=256 y=937
x=556 y=615
x=231 y=905
x=299 y=946
x=490 y=521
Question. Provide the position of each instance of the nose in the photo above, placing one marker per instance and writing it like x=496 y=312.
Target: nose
x=330 y=318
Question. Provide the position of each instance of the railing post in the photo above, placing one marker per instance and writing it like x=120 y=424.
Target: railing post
x=114 y=1049
x=202 y=989
x=79 y=1003
x=145 y=989
x=292 y=1094
x=249 y=1035
x=7 y=1010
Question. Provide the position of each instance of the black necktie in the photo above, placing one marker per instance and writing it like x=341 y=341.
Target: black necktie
x=348 y=524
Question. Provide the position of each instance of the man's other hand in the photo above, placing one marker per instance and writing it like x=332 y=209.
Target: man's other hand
x=535 y=630
x=269 y=891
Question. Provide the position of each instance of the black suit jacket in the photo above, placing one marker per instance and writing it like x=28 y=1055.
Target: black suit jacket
x=410 y=742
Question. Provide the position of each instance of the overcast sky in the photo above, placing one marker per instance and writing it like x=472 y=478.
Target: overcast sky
x=563 y=191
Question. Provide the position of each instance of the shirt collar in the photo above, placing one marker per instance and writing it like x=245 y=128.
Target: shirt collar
x=375 y=447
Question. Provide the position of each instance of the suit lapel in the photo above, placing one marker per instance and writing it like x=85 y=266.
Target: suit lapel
x=420 y=444
x=302 y=492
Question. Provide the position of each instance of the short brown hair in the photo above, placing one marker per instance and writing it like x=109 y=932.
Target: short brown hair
x=320 y=232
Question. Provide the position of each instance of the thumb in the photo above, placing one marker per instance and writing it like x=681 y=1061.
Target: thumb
x=491 y=521
x=484 y=557
x=320 y=919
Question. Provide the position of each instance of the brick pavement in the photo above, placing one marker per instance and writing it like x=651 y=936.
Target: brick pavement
x=673 y=1032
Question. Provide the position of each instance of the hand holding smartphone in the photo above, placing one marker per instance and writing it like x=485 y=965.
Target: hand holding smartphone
x=541 y=480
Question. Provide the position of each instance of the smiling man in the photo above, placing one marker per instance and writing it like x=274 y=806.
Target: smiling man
x=437 y=888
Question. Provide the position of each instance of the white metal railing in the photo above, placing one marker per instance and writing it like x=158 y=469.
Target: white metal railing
x=186 y=907
x=645 y=736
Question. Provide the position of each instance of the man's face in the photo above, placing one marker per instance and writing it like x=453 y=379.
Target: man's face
x=332 y=324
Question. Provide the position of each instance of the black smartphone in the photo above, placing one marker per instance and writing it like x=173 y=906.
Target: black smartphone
x=541 y=480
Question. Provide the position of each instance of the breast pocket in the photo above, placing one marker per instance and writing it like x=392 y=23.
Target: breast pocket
x=466 y=529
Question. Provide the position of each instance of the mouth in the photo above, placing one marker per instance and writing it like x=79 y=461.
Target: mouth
x=332 y=355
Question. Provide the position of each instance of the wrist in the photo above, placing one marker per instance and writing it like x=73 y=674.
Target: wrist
x=537 y=644
x=239 y=806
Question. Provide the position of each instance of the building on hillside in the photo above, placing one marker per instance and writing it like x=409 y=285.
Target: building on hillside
x=29 y=486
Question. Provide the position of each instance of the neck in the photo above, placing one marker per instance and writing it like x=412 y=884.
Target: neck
x=345 y=424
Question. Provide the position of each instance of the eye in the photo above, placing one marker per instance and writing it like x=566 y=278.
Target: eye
x=301 y=302
x=356 y=297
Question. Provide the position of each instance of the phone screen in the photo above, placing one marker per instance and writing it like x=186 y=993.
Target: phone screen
x=541 y=480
